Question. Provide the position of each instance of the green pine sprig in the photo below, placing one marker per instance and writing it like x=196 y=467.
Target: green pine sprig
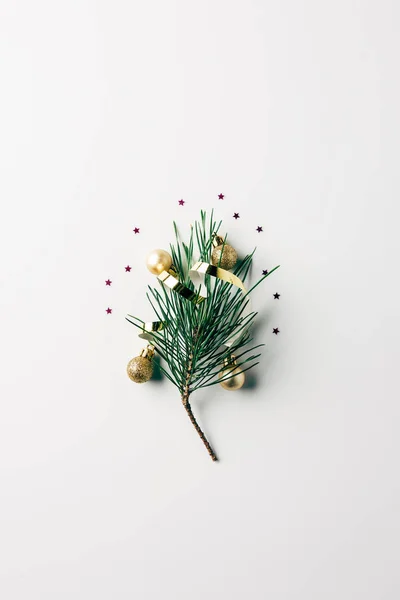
x=192 y=342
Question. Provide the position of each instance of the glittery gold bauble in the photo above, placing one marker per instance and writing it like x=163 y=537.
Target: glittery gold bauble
x=229 y=257
x=158 y=261
x=233 y=383
x=140 y=369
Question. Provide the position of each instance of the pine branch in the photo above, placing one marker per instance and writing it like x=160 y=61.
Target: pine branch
x=194 y=341
x=188 y=408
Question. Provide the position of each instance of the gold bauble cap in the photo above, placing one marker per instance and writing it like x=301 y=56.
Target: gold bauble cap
x=158 y=261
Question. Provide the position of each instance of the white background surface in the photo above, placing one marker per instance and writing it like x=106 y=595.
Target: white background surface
x=109 y=113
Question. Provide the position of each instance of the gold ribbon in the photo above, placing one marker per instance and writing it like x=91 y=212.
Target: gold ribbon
x=197 y=273
x=170 y=280
x=202 y=268
x=149 y=328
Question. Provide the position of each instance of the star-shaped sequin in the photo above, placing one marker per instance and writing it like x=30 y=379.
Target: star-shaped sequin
x=277 y=296
x=108 y=282
x=236 y=216
x=259 y=229
x=181 y=202
x=275 y=330
x=109 y=311
x=221 y=196
x=136 y=230
x=265 y=272
x=127 y=268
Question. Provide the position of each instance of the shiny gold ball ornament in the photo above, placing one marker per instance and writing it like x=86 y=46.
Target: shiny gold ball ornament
x=140 y=368
x=158 y=261
x=223 y=256
x=235 y=374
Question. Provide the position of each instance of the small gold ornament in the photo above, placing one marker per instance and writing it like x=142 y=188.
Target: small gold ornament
x=236 y=375
x=140 y=368
x=224 y=253
x=158 y=261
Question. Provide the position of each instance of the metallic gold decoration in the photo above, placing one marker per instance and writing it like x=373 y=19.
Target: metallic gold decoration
x=140 y=368
x=158 y=261
x=235 y=374
x=149 y=328
x=235 y=382
x=170 y=280
x=223 y=255
x=203 y=268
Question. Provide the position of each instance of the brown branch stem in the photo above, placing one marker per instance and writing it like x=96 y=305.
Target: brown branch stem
x=188 y=408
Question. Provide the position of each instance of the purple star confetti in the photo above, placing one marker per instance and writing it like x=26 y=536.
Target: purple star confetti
x=109 y=311
x=128 y=269
x=277 y=296
x=181 y=202
x=136 y=230
x=108 y=282
x=275 y=330
x=236 y=216
x=259 y=229
x=221 y=196
x=265 y=272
